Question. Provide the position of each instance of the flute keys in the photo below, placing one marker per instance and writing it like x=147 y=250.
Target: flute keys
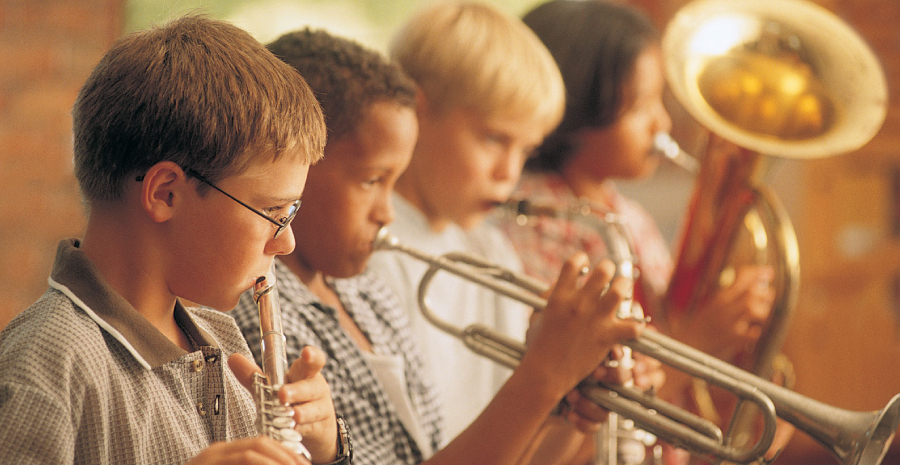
x=283 y=422
x=290 y=435
x=282 y=411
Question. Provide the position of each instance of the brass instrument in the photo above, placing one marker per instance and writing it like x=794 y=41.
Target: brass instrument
x=275 y=419
x=618 y=442
x=855 y=438
x=783 y=78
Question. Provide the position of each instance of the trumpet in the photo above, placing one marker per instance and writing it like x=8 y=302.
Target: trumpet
x=274 y=419
x=854 y=438
x=618 y=442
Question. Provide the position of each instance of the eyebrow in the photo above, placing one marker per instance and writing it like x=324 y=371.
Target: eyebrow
x=270 y=199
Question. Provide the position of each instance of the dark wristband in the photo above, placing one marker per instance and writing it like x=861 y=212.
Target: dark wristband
x=344 y=444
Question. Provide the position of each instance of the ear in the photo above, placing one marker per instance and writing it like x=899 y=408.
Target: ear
x=423 y=106
x=161 y=190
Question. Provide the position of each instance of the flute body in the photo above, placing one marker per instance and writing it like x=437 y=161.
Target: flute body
x=275 y=419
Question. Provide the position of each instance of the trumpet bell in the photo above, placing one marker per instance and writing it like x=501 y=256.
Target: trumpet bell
x=783 y=78
x=876 y=440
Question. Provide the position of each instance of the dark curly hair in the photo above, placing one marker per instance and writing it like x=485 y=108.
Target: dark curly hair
x=595 y=43
x=346 y=77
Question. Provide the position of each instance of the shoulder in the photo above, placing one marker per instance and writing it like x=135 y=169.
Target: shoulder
x=491 y=243
x=50 y=343
x=222 y=327
x=373 y=285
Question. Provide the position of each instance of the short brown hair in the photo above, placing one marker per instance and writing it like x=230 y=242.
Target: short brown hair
x=198 y=92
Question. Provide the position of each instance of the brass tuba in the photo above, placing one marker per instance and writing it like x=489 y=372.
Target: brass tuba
x=783 y=78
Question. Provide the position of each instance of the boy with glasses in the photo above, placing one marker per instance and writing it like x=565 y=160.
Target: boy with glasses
x=108 y=366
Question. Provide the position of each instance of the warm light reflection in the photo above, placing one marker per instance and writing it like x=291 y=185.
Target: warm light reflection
x=721 y=34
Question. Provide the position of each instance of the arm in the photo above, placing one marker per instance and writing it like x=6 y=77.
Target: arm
x=574 y=332
x=35 y=429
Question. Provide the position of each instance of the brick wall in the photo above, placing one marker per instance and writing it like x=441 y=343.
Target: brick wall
x=47 y=48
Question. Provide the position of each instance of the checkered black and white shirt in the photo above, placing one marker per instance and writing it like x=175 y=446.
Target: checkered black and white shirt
x=85 y=379
x=379 y=437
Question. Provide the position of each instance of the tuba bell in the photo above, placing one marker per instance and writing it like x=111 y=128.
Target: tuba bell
x=783 y=78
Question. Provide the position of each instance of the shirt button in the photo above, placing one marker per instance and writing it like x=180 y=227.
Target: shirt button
x=201 y=410
x=198 y=365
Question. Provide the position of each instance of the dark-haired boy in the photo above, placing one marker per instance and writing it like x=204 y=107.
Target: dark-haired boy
x=192 y=145
x=327 y=299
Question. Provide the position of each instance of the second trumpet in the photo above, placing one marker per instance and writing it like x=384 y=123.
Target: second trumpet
x=854 y=438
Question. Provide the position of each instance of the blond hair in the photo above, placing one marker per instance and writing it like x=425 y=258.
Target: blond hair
x=474 y=56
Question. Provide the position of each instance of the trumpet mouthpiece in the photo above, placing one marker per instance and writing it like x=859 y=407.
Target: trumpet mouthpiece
x=384 y=240
x=664 y=145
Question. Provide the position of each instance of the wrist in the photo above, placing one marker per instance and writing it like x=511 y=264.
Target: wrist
x=543 y=387
x=344 y=444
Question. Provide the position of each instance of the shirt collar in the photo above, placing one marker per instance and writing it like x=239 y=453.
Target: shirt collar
x=75 y=275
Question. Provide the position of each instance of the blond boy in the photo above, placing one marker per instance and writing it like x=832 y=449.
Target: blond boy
x=489 y=94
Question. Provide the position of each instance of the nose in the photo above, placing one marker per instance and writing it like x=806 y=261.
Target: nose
x=508 y=165
x=663 y=120
x=383 y=210
x=283 y=244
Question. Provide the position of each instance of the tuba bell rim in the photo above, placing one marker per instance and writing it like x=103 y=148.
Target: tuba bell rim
x=852 y=74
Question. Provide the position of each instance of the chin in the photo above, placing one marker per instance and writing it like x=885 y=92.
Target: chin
x=471 y=221
x=348 y=269
x=215 y=305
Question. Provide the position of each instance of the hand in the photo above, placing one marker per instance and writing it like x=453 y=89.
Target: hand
x=257 y=451
x=584 y=414
x=733 y=318
x=308 y=394
x=648 y=372
x=579 y=327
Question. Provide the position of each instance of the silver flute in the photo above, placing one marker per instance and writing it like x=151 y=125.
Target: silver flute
x=275 y=419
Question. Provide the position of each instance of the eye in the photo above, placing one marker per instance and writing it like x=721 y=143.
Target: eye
x=495 y=139
x=283 y=213
x=373 y=181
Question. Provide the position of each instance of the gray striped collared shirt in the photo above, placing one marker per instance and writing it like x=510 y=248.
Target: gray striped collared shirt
x=84 y=378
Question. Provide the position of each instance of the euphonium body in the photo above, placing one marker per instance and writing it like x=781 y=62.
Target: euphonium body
x=782 y=78
x=275 y=419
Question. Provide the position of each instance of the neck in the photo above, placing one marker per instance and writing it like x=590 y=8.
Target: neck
x=122 y=255
x=586 y=186
x=405 y=187
x=312 y=278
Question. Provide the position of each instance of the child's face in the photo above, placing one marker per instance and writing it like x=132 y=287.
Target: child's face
x=223 y=247
x=465 y=164
x=624 y=149
x=347 y=199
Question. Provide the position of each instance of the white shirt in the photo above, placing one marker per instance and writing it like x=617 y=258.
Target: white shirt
x=465 y=380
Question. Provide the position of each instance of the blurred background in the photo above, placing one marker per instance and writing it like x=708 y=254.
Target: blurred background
x=844 y=339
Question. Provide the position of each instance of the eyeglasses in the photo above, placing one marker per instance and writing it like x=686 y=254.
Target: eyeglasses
x=281 y=223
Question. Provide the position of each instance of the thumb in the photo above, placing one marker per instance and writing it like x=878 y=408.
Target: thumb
x=310 y=363
x=243 y=369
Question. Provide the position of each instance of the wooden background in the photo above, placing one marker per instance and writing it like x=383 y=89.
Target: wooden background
x=846 y=209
